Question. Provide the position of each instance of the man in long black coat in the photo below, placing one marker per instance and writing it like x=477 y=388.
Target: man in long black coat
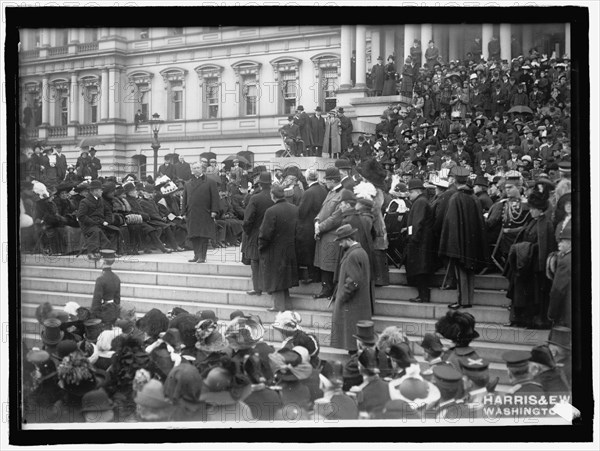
x=302 y=121
x=378 y=77
x=253 y=218
x=317 y=132
x=96 y=165
x=310 y=205
x=277 y=248
x=346 y=127
x=420 y=251
x=463 y=238
x=93 y=216
x=107 y=288
x=200 y=207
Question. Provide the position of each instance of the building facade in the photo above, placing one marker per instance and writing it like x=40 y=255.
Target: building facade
x=219 y=89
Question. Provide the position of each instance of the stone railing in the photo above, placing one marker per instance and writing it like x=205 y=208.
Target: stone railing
x=62 y=50
x=88 y=47
x=35 y=53
x=87 y=129
x=55 y=132
x=33 y=132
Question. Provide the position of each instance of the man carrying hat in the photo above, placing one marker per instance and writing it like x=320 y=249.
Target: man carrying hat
x=277 y=251
x=254 y=214
x=420 y=245
x=352 y=295
x=200 y=206
x=93 y=217
x=463 y=238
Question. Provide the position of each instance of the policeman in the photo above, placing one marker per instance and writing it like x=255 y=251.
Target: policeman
x=477 y=383
x=546 y=372
x=107 y=289
x=520 y=373
x=452 y=405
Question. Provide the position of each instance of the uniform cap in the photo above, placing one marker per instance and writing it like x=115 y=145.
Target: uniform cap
x=516 y=359
x=446 y=376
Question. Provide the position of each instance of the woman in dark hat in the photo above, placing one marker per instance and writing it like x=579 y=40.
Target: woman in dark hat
x=459 y=327
x=290 y=369
x=389 y=85
x=182 y=388
x=528 y=286
x=263 y=401
x=41 y=388
x=76 y=377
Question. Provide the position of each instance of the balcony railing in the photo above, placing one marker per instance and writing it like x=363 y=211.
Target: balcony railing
x=88 y=47
x=33 y=132
x=55 y=132
x=35 y=53
x=87 y=129
x=62 y=50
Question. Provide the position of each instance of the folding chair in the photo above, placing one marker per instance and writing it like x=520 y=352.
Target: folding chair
x=286 y=148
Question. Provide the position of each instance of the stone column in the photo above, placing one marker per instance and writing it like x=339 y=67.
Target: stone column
x=346 y=56
x=45 y=102
x=426 y=36
x=390 y=44
x=527 y=40
x=410 y=33
x=361 y=56
x=74 y=35
x=487 y=31
x=454 y=36
x=114 y=92
x=505 y=52
x=568 y=39
x=104 y=95
x=375 y=46
x=74 y=99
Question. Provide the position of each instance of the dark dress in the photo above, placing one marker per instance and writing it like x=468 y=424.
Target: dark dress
x=309 y=208
x=389 y=86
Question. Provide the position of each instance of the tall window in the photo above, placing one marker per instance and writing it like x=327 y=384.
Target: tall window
x=62 y=37
x=37 y=39
x=61 y=102
x=63 y=108
x=143 y=99
x=249 y=94
x=212 y=97
x=288 y=91
x=91 y=104
x=140 y=83
x=329 y=84
x=174 y=79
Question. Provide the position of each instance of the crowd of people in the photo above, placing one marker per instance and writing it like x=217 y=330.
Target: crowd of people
x=109 y=364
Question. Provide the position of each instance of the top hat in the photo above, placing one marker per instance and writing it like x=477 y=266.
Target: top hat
x=415 y=184
x=342 y=163
x=345 y=231
x=265 y=178
x=365 y=332
x=52 y=334
x=560 y=336
x=93 y=328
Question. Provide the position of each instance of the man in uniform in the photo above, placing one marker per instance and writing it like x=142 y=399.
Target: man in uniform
x=253 y=218
x=276 y=246
x=200 y=208
x=546 y=372
x=463 y=238
x=108 y=286
x=519 y=372
x=452 y=404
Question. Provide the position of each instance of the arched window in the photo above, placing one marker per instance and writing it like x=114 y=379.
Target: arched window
x=141 y=88
x=60 y=91
x=90 y=90
x=175 y=85
x=209 y=76
x=247 y=73
x=286 y=73
x=327 y=73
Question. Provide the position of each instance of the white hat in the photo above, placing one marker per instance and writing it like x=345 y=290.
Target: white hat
x=473 y=76
x=162 y=180
x=526 y=157
x=71 y=308
x=438 y=181
x=169 y=188
x=303 y=353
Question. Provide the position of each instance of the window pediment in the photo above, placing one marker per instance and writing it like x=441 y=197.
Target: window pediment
x=141 y=78
x=173 y=74
x=246 y=68
x=90 y=81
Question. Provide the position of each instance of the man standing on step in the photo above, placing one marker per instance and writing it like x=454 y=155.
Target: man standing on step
x=93 y=217
x=463 y=238
x=200 y=208
x=108 y=286
x=419 y=250
x=253 y=218
x=277 y=248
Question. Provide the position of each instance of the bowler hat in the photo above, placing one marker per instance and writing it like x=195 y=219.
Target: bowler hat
x=560 y=336
x=265 y=178
x=95 y=184
x=342 y=163
x=415 y=184
x=332 y=174
x=365 y=331
x=345 y=231
x=51 y=334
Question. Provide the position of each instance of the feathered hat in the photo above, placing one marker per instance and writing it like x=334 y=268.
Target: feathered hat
x=373 y=171
x=457 y=326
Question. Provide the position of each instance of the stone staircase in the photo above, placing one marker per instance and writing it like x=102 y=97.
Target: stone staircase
x=167 y=281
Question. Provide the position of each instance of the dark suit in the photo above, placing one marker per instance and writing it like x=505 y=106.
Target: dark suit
x=309 y=207
x=200 y=199
x=317 y=134
x=107 y=288
x=61 y=166
x=95 y=167
x=253 y=218
x=277 y=250
x=91 y=214
x=346 y=137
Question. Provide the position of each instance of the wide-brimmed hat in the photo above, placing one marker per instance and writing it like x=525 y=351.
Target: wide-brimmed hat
x=287 y=322
x=152 y=396
x=332 y=174
x=365 y=332
x=244 y=332
x=345 y=231
x=96 y=401
x=373 y=171
x=412 y=388
x=560 y=336
x=537 y=200
x=51 y=334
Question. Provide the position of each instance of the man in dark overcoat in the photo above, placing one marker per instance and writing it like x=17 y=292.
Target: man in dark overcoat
x=108 y=286
x=309 y=207
x=61 y=163
x=96 y=165
x=317 y=132
x=277 y=249
x=463 y=239
x=302 y=121
x=200 y=207
x=420 y=251
x=253 y=218
x=93 y=216
x=352 y=296
x=346 y=127
x=378 y=77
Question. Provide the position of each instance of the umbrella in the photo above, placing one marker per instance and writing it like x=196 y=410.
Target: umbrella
x=248 y=155
x=241 y=159
x=453 y=76
x=520 y=109
x=208 y=155
x=90 y=141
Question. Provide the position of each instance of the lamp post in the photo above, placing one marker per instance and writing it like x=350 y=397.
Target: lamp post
x=155 y=124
